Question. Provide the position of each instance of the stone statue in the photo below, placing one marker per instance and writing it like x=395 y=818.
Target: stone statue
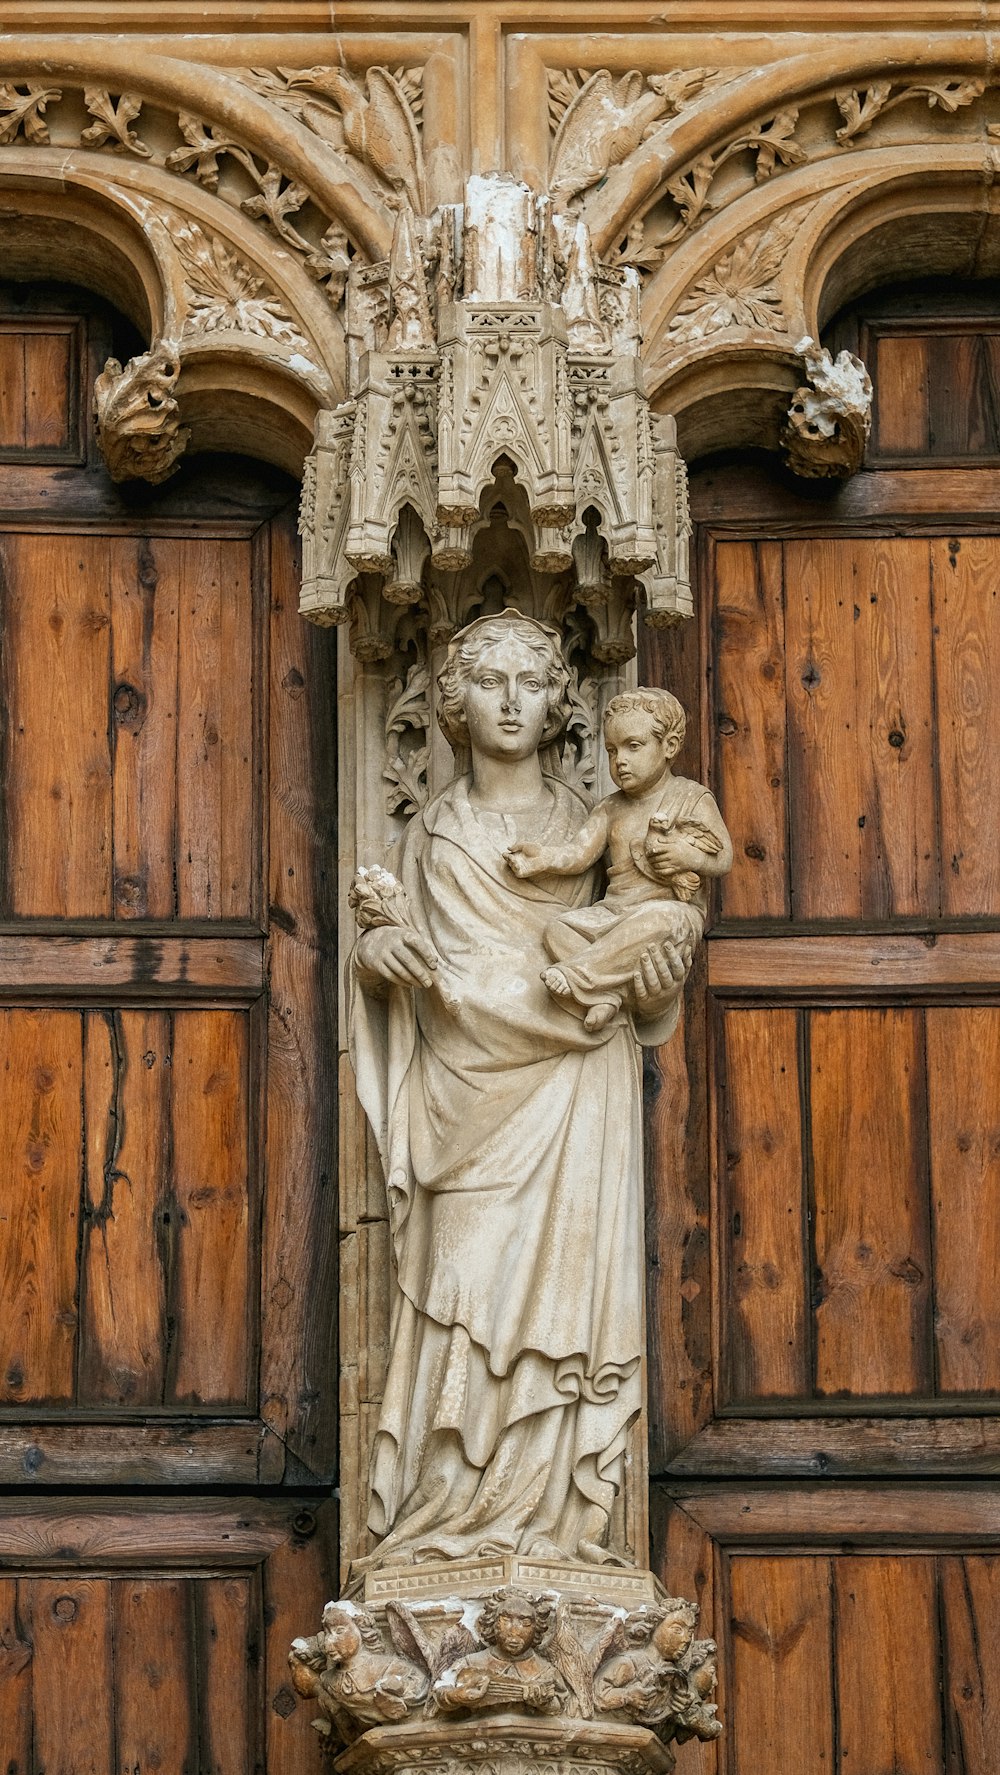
x=355 y=1678
x=508 y=1670
x=664 y=1676
x=510 y=1130
x=663 y=837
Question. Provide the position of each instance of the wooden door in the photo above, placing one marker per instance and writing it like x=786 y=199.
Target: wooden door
x=825 y=1226
x=167 y=1106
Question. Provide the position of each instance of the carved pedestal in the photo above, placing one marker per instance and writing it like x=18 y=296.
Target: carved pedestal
x=507 y=1744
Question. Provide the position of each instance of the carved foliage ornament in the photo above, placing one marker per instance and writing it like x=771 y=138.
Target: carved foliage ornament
x=830 y=416
x=138 y=423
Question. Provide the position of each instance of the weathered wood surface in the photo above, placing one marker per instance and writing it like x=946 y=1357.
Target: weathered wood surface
x=131 y=967
x=849 y=1446
x=767 y=967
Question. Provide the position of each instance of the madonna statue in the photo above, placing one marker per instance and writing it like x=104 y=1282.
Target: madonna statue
x=510 y=1136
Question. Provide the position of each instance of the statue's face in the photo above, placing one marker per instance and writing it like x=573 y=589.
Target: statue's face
x=343 y=1641
x=515 y=1634
x=637 y=758
x=506 y=700
x=672 y=1637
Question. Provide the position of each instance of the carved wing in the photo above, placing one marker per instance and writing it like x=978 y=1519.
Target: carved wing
x=456 y=1644
x=600 y=126
x=392 y=143
x=574 y=1662
x=408 y=1636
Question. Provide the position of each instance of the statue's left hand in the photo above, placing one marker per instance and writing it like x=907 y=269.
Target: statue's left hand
x=662 y=971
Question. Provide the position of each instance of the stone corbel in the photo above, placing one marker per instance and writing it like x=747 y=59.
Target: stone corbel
x=139 y=430
x=828 y=423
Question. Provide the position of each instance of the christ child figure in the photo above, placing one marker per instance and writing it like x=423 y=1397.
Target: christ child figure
x=662 y=837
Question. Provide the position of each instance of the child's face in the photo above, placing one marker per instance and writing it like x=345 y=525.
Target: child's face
x=636 y=756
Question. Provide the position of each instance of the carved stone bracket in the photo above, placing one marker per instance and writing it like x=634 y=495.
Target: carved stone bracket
x=597 y=1668
x=491 y=340
x=830 y=416
x=139 y=428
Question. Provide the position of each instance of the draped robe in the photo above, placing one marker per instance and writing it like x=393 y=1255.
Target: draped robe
x=511 y=1141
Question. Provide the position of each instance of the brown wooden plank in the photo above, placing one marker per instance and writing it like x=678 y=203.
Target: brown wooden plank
x=145 y=597
x=123 y=1329
x=825 y=1513
x=963 y=1083
x=892 y=663
x=962 y=418
x=902 y=416
x=12 y=415
x=55 y=600
x=72 y=1674
x=35 y=1532
x=970 y=1610
x=749 y=740
x=742 y=499
x=299 y=1311
x=155 y=1676
x=48 y=391
x=868 y=964
x=299 y=1577
x=215 y=722
x=678 y=1254
x=208 y=1290
x=123 y=967
x=824 y=771
x=766 y=1326
x=888 y=1701
x=237 y=1451
x=967 y=625
x=688 y=1565
x=225 y=1649
x=781 y=1649
x=847 y=1445
x=40 y=1136
x=239 y=845
x=15 y=1684
x=872 y=1248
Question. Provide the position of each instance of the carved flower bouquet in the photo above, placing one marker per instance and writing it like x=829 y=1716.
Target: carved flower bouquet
x=376 y=898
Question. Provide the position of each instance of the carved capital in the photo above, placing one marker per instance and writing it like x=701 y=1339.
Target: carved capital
x=139 y=428
x=830 y=416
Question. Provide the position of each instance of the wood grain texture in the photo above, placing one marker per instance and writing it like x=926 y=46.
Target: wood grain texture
x=967 y=624
x=299 y=1307
x=156 y=1678
x=145 y=603
x=871 y=1228
x=15 y=1682
x=868 y=965
x=917 y=1514
x=963 y=1082
x=888 y=1665
x=782 y=1674
x=689 y=1565
x=766 y=1332
x=812 y=1447
x=299 y=1577
x=226 y=1654
x=970 y=1621
x=902 y=408
x=143 y=1450
x=749 y=725
x=72 y=1675
x=93 y=968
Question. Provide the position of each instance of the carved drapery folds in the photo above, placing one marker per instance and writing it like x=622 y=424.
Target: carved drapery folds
x=500 y=342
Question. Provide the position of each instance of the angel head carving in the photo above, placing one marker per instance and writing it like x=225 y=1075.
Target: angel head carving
x=514 y=1622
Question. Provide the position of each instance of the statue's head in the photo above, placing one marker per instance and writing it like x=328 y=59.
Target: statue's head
x=510 y=644
x=346 y=1630
x=513 y=1621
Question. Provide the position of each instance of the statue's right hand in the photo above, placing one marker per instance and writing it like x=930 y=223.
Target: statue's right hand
x=521 y=859
x=401 y=957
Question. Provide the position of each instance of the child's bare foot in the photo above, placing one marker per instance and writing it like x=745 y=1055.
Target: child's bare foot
x=599 y=1016
x=556 y=981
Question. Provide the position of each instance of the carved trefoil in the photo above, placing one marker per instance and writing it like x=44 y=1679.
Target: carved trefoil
x=492 y=338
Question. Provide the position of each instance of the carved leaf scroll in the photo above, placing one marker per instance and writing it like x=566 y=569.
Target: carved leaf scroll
x=23 y=112
x=376 y=122
x=859 y=109
x=773 y=146
x=113 y=120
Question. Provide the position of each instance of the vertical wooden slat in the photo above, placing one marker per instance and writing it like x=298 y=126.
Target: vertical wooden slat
x=892 y=650
x=228 y=1655
x=209 y=1117
x=299 y=1227
x=781 y=1675
x=750 y=725
x=970 y=1610
x=72 y=1674
x=57 y=619
x=127 y=1074
x=766 y=1330
x=12 y=415
x=15 y=1684
x=214 y=725
x=902 y=422
x=825 y=796
x=155 y=1676
x=963 y=1080
x=871 y=1205
x=961 y=423
x=299 y=1578
x=144 y=614
x=966 y=582
x=40 y=1134
x=48 y=389
x=887 y=1651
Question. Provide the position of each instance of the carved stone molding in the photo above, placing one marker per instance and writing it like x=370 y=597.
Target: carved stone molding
x=139 y=428
x=830 y=416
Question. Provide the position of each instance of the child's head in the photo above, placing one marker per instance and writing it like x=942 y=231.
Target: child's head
x=643 y=730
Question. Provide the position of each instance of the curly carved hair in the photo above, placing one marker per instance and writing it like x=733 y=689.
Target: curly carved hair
x=512 y=1601
x=642 y=1623
x=669 y=719
x=466 y=649
x=335 y=1614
